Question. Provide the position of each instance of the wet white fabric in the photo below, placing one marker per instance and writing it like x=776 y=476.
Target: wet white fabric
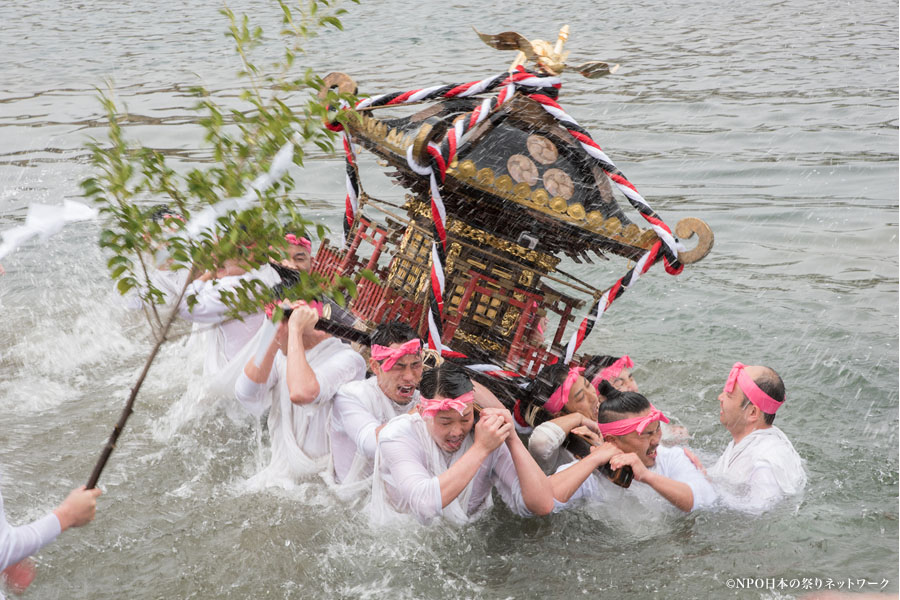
x=45 y=220
x=405 y=481
x=20 y=542
x=545 y=445
x=754 y=474
x=170 y=283
x=360 y=407
x=298 y=433
x=227 y=343
x=639 y=497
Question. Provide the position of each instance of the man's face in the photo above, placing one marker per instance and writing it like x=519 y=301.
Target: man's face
x=583 y=399
x=625 y=381
x=643 y=444
x=449 y=429
x=298 y=258
x=400 y=382
x=731 y=412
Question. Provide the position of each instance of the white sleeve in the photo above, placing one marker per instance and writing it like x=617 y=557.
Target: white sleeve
x=683 y=470
x=209 y=307
x=252 y=395
x=506 y=480
x=404 y=460
x=345 y=366
x=544 y=445
x=17 y=543
x=358 y=423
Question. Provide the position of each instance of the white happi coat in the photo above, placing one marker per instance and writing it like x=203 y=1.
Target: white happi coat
x=229 y=343
x=360 y=407
x=299 y=433
x=636 y=499
x=405 y=480
x=755 y=473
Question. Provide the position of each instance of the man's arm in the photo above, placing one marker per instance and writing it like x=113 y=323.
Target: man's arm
x=567 y=481
x=676 y=492
x=537 y=494
x=490 y=432
x=301 y=379
x=17 y=543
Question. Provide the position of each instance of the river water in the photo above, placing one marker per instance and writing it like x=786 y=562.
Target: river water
x=774 y=121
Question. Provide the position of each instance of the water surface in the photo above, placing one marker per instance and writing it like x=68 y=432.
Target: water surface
x=775 y=122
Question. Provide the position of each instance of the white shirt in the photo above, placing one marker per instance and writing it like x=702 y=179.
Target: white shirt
x=754 y=474
x=670 y=462
x=299 y=433
x=408 y=463
x=545 y=445
x=360 y=407
x=231 y=335
x=17 y=543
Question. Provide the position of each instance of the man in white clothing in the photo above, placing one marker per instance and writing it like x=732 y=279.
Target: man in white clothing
x=231 y=342
x=759 y=465
x=630 y=424
x=429 y=464
x=363 y=408
x=17 y=543
x=296 y=379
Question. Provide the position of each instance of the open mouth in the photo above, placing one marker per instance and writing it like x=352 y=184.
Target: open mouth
x=406 y=390
x=651 y=452
x=453 y=443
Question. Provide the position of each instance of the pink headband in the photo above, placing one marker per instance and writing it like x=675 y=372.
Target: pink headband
x=298 y=241
x=558 y=398
x=390 y=356
x=430 y=407
x=613 y=370
x=270 y=308
x=639 y=424
x=759 y=398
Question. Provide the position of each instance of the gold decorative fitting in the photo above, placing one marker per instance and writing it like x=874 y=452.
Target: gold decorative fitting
x=431 y=358
x=631 y=232
x=467 y=169
x=488 y=345
x=594 y=219
x=548 y=57
x=686 y=229
x=509 y=320
x=485 y=176
x=612 y=225
x=343 y=82
x=576 y=211
x=504 y=183
x=559 y=204
x=647 y=239
x=540 y=197
x=521 y=190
